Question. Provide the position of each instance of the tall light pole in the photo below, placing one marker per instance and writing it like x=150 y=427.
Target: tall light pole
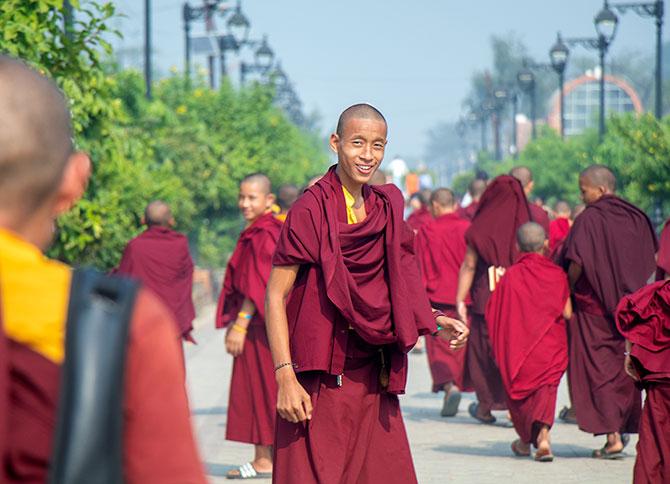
x=559 y=55
x=526 y=80
x=500 y=98
x=147 y=47
x=606 y=23
x=651 y=10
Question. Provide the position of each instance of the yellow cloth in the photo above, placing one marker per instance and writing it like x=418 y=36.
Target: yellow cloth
x=35 y=293
x=349 y=202
x=281 y=217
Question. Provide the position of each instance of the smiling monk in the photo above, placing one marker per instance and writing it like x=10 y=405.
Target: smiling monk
x=345 y=304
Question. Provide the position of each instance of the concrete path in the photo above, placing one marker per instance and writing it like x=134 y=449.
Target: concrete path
x=445 y=450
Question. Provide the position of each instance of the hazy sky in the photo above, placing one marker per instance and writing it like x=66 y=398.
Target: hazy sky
x=413 y=60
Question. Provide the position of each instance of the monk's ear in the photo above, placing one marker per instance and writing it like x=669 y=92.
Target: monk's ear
x=546 y=246
x=73 y=184
x=270 y=199
x=334 y=142
x=172 y=222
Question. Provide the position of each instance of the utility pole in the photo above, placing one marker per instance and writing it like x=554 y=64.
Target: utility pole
x=147 y=47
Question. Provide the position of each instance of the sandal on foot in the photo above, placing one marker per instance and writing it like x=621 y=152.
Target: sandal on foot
x=517 y=452
x=473 y=409
x=549 y=457
x=604 y=454
x=565 y=416
x=247 y=471
x=451 y=402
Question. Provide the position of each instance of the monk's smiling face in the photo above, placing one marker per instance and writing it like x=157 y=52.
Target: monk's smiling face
x=254 y=200
x=360 y=149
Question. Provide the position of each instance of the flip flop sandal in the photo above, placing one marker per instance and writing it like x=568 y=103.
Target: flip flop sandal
x=544 y=457
x=247 y=471
x=602 y=453
x=563 y=415
x=472 y=410
x=516 y=450
x=451 y=403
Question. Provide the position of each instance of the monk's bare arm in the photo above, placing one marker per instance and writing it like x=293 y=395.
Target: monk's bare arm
x=567 y=310
x=465 y=278
x=293 y=402
x=236 y=334
x=574 y=273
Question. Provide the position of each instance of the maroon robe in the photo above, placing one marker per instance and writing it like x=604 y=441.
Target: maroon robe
x=663 y=256
x=160 y=259
x=468 y=213
x=440 y=246
x=419 y=218
x=614 y=243
x=357 y=305
x=253 y=389
x=529 y=340
x=540 y=216
x=503 y=208
x=643 y=318
x=558 y=231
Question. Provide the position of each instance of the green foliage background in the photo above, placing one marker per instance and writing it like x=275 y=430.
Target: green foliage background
x=189 y=145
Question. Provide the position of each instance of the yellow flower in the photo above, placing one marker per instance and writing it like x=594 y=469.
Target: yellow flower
x=174 y=69
x=197 y=93
x=181 y=109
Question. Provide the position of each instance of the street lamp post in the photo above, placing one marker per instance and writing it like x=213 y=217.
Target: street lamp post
x=606 y=23
x=147 y=48
x=264 y=56
x=559 y=55
x=526 y=80
x=651 y=10
x=500 y=98
x=515 y=135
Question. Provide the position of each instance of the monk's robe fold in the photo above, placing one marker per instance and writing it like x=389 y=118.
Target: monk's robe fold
x=529 y=340
x=468 y=213
x=663 y=255
x=363 y=276
x=540 y=216
x=253 y=389
x=614 y=243
x=502 y=210
x=159 y=257
x=440 y=246
x=644 y=319
x=558 y=231
x=419 y=218
x=356 y=309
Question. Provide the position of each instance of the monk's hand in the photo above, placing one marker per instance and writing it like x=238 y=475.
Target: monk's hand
x=235 y=342
x=630 y=369
x=293 y=402
x=454 y=331
x=462 y=310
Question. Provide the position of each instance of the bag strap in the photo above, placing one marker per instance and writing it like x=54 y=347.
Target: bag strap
x=88 y=446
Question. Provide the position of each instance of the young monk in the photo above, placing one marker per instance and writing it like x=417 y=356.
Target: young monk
x=253 y=391
x=440 y=246
x=286 y=196
x=609 y=253
x=43 y=177
x=537 y=213
x=356 y=307
x=420 y=213
x=159 y=257
x=476 y=190
x=526 y=319
x=491 y=246
x=560 y=226
x=643 y=318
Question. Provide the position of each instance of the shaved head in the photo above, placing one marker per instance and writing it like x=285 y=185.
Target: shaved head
x=358 y=111
x=262 y=180
x=477 y=188
x=287 y=195
x=531 y=237
x=600 y=176
x=158 y=213
x=35 y=136
x=443 y=197
x=562 y=208
x=523 y=174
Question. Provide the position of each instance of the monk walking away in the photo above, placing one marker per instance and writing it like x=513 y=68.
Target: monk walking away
x=491 y=247
x=609 y=253
x=286 y=196
x=643 y=318
x=559 y=228
x=420 y=215
x=43 y=177
x=476 y=190
x=241 y=309
x=344 y=305
x=537 y=213
x=526 y=319
x=440 y=246
x=159 y=257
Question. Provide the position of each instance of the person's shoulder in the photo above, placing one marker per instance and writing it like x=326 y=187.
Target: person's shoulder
x=393 y=193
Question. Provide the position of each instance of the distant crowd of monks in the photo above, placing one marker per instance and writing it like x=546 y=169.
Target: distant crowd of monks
x=324 y=296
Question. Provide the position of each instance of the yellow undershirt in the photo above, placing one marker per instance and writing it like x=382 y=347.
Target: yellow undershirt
x=349 y=201
x=34 y=294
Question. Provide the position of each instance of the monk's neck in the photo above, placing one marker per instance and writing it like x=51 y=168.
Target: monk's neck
x=251 y=222
x=355 y=189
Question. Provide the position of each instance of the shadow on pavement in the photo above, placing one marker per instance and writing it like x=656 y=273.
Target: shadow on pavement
x=218 y=470
x=209 y=411
x=502 y=449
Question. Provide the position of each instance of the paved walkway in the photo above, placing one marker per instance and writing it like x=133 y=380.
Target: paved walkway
x=453 y=450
